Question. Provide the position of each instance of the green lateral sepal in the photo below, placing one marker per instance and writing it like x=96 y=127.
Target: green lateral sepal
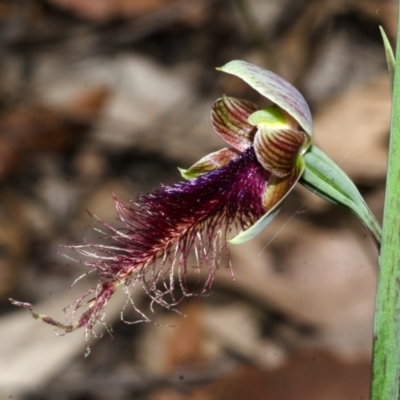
x=323 y=177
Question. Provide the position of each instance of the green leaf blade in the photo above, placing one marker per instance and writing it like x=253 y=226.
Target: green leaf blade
x=389 y=56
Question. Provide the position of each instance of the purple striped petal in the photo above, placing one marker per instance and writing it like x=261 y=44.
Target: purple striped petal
x=278 y=149
x=274 y=88
x=229 y=120
x=210 y=162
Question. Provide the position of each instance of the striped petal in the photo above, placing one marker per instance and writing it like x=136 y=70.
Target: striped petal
x=275 y=193
x=278 y=149
x=274 y=88
x=210 y=162
x=229 y=120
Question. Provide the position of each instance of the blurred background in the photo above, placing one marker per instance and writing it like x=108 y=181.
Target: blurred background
x=111 y=96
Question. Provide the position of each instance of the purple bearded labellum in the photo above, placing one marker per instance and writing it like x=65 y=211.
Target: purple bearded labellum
x=239 y=188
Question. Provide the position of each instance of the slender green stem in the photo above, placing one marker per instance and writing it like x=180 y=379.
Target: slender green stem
x=386 y=351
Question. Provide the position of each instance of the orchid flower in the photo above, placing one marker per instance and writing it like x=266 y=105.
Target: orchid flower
x=239 y=188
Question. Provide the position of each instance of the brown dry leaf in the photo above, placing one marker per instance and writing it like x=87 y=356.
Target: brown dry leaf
x=306 y=376
x=312 y=375
x=13 y=242
x=330 y=276
x=297 y=45
x=88 y=105
x=5 y=11
x=25 y=131
x=9 y=157
x=38 y=128
x=179 y=349
x=171 y=394
x=105 y=10
x=184 y=345
x=354 y=127
x=235 y=326
x=34 y=355
x=384 y=11
x=324 y=279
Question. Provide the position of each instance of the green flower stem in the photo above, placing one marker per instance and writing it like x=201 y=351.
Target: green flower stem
x=386 y=350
